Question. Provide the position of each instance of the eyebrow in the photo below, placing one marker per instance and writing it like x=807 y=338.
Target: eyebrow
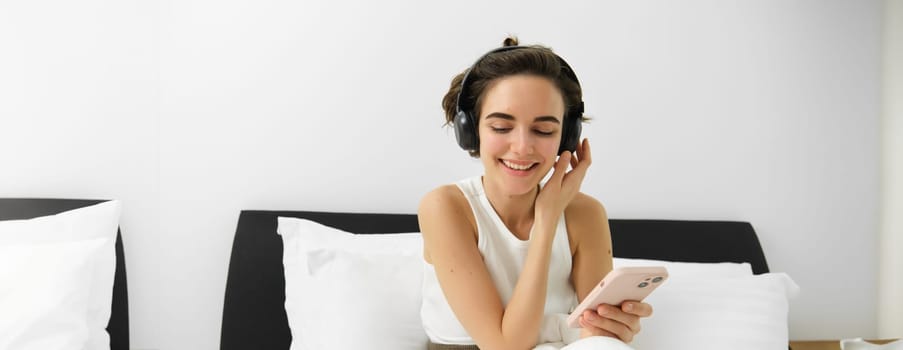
x=545 y=118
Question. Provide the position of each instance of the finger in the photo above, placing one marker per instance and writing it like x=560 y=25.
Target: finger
x=585 y=154
x=561 y=166
x=616 y=314
x=574 y=178
x=593 y=330
x=585 y=159
x=637 y=308
x=576 y=158
x=607 y=324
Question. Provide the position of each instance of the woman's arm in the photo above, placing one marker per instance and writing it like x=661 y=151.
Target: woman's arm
x=592 y=260
x=450 y=246
x=590 y=237
x=587 y=224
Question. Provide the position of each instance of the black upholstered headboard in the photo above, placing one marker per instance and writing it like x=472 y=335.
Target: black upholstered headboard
x=28 y=208
x=254 y=308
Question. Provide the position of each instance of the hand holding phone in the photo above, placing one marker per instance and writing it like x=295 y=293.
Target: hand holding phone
x=618 y=286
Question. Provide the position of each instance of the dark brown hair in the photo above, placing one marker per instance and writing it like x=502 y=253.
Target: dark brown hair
x=534 y=59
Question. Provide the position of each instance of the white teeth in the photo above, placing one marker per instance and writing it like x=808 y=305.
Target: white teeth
x=515 y=166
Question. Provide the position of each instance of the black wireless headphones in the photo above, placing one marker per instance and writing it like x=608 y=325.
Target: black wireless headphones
x=466 y=121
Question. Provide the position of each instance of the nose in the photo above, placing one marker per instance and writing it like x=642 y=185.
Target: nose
x=522 y=142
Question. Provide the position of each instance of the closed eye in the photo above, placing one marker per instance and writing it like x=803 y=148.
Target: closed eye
x=501 y=130
x=545 y=133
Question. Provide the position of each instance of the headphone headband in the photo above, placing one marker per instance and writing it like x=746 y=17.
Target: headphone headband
x=465 y=84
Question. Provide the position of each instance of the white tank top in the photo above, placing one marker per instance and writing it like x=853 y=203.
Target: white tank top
x=504 y=255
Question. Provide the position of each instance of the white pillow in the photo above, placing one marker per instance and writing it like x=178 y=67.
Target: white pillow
x=347 y=291
x=724 y=313
x=45 y=293
x=336 y=281
x=691 y=270
x=96 y=221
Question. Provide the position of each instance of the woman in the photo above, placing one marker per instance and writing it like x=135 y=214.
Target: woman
x=506 y=254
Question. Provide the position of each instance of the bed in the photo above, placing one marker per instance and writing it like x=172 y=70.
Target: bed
x=28 y=208
x=254 y=315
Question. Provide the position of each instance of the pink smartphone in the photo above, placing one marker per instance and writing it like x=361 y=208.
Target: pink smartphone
x=619 y=285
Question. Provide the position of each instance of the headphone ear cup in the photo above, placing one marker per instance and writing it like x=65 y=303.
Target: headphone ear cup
x=570 y=134
x=465 y=131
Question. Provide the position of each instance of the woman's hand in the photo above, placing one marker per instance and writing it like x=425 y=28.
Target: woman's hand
x=563 y=185
x=618 y=322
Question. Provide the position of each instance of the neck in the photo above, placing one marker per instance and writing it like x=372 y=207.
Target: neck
x=515 y=210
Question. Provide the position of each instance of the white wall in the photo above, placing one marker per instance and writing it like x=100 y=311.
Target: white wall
x=890 y=314
x=190 y=111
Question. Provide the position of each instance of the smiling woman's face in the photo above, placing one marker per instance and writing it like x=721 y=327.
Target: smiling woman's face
x=520 y=131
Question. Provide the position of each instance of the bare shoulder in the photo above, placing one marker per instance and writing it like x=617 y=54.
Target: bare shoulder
x=586 y=216
x=585 y=209
x=441 y=202
x=445 y=217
